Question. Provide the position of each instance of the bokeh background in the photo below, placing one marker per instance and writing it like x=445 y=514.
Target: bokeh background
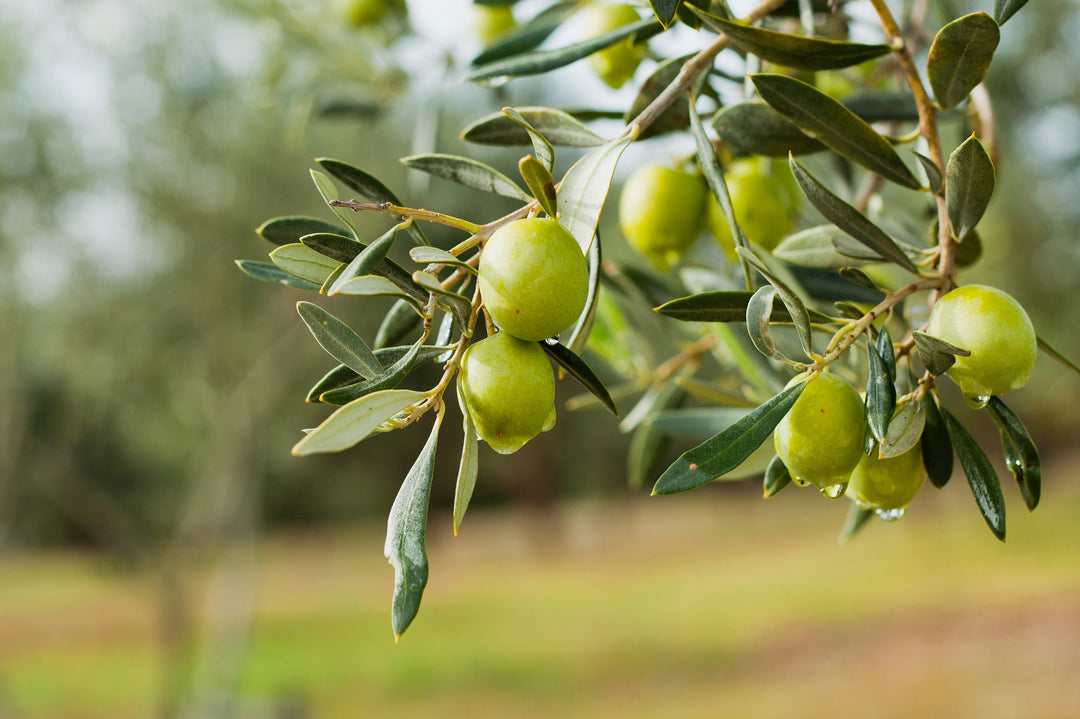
x=162 y=554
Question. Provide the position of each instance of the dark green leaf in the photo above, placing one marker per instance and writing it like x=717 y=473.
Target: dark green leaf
x=339 y=340
x=397 y=324
x=406 y=535
x=905 y=429
x=1021 y=455
x=719 y=455
x=289 y=230
x=545 y=153
x=886 y=350
x=389 y=355
x=807 y=53
x=374 y=286
x=269 y=272
x=841 y=130
x=896 y=106
x=584 y=189
x=560 y=128
x=849 y=219
x=933 y=172
x=676 y=116
x=969 y=185
x=755 y=128
x=980 y=475
x=960 y=56
x=367 y=261
x=303 y=262
x=880 y=394
x=576 y=368
x=527 y=36
x=346 y=249
x=386 y=379
x=465 y=171
x=857 y=517
x=337 y=377
x=832 y=286
x=859 y=277
x=800 y=318
x=540 y=183
x=1005 y=9
x=356 y=421
x=967 y=252
x=1057 y=355
x=724 y=306
x=535 y=63
x=937 y=449
x=937 y=355
x=777 y=477
x=369 y=188
x=665 y=10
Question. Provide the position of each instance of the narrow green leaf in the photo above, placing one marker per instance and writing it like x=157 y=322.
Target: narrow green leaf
x=339 y=340
x=937 y=449
x=880 y=395
x=905 y=429
x=367 y=261
x=665 y=10
x=579 y=334
x=727 y=450
x=713 y=393
x=857 y=517
x=755 y=128
x=329 y=192
x=980 y=475
x=645 y=446
x=725 y=306
x=289 y=230
x=460 y=305
x=758 y=310
x=676 y=116
x=697 y=423
x=1057 y=355
x=469 y=464
x=337 y=377
x=777 y=477
x=535 y=63
x=814 y=247
x=937 y=355
x=368 y=188
x=543 y=149
x=355 y=421
x=933 y=172
x=428 y=255
x=806 y=53
x=1005 y=9
x=374 y=285
x=849 y=219
x=896 y=106
x=585 y=187
x=399 y=321
x=303 y=262
x=884 y=343
x=528 y=35
x=1021 y=454
x=960 y=56
x=467 y=172
x=576 y=368
x=386 y=379
x=969 y=184
x=841 y=130
x=540 y=183
x=655 y=396
x=345 y=249
x=269 y=272
x=560 y=128
x=406 y=535
x=800 y=318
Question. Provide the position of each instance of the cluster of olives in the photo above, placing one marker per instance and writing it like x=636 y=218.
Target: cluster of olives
x=820 y=440
x=534 y=282
x=662 y=210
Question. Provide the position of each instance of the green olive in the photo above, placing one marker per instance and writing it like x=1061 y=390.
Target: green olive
x=533 y=278
x=492 y=22
x=364 y=12
x=887 y=484
x=995 y=329
x=820 y=439
x=616 y=64
x=660 y=212
x=764 y=196
x=509 y=390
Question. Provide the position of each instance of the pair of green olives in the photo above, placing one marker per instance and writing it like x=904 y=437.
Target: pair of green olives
x=662 y=210
x=534 y=282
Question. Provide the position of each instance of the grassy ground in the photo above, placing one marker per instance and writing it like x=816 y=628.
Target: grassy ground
x=704 y=605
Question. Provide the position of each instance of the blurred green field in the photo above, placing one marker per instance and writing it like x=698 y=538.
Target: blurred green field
x=704 y=605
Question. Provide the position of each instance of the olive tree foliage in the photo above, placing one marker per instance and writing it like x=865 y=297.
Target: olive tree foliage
x=879 y=123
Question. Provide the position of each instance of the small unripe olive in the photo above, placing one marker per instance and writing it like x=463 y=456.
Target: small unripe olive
x=764 y=197
x=364 y=12
x=996 y=330
x=509 y=389
x=889 y=483
x=660 y=212
x=491 y=22
x=820 y=439
x=616 y=64
x=533 y=278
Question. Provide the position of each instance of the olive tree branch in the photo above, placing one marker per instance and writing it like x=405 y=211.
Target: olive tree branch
x=388 y=208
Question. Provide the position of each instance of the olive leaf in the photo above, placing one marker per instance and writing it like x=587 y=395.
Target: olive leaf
x=857 y=517
x=1005 y=9
x=579 y=370
x=345 y=249
x=806 y=53
x=369 y=188
x=398 y=322
x=937 y=449
x=980 y=475
x=303 y=262
x=677 y=115
x=367 y=261
x=339 y=340
x=777 y=477
x=427 y=255
x=969 y=185
x=355 y=421
x=725 y=306
x=460 y=305
x=406 y=535
x=755 y=128
x=1021 y=455
x=560 y=128
x=538 y=179
x=386 y=379
x=585 y=187
x=581 y=330
x=269 y=272
x=469 y=464
x=936 y=354
x=960 y=56
x=545 y=153
x=795 y=307
x=665 y=10
x=719 y=455
x=467 y=172
x=905 y=429
x=758 y=310
x=528 y=35
x=288 y=230
x=1057 y=355
x=880 y=394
